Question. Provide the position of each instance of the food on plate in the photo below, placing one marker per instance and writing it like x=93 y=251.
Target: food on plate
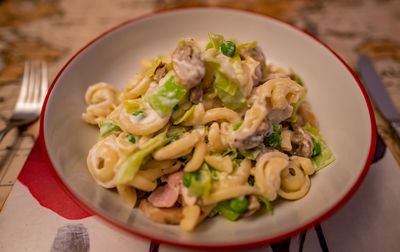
x=204 y=131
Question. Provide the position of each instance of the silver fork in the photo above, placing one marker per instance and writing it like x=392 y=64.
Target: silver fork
x=31 y=96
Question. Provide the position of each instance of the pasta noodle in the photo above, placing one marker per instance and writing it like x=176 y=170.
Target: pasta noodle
x=105 y=157
x=205 y=131
x=136 y=87
x=281 y=91
x=101 y=99
x=228 y=193
x=220 y=163
x=197 y=160
x=128 y=194
x=267 y=173
x=150 y=124
x=142 y=183
x=220 y=114
x=197 y=117
x=179 y=148
x=295 y=181
x=191 y=215
x=252 y=121
x=156 y=169
x=216 y=141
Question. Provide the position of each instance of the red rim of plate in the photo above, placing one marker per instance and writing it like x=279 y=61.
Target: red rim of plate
x=274 y=239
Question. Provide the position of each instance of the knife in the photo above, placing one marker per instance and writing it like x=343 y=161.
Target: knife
x=376 y=89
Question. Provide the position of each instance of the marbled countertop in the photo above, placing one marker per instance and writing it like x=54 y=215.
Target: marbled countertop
x=53 y=30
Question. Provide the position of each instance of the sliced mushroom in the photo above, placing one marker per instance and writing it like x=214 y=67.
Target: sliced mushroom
x=301 y=142
x=188 y=64
x=279 y=115
x=196 y=95
x=255 y=139
x=257 y=54
x=160 y=72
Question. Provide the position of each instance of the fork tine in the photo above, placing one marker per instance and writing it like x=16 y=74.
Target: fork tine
x=23 y=93
x=31 y=84
x=36 y=85
x=44 y=85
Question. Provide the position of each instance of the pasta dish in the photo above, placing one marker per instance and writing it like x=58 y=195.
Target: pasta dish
x=204 y=131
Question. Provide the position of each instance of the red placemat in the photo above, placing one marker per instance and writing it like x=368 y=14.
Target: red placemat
x=40 y=178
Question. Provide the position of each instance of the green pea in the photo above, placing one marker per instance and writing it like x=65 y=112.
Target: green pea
x=131 y=138
x=228 y=48
x=239 y=205
x=317 y=148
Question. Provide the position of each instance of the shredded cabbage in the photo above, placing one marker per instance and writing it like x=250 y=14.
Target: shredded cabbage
x=107 y=127
x=167 y=96
x=326 y=155
x=129 y=168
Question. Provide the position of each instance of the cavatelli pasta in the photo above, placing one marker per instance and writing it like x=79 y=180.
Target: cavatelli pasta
x=101 y=100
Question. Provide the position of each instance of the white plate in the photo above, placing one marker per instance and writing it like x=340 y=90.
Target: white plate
x=336 y=96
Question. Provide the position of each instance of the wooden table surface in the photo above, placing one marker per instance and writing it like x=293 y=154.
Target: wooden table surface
x=53 y=30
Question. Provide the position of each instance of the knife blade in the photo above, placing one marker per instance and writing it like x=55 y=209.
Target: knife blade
x=376 y=89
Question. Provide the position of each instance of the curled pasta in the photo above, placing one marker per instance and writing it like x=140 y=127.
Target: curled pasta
x=106 y=156
x=179 y=148
x=156 y=169
x=128 y=194
x=252 y=121
x=172 y=215
x=248 y=75
x=220 y=163
x=281 y=91
x=299 y=193
x=228 y=193
x=142 y=183
x=241 y=174
x=197 y=159
x=238 y=177
x=114 y=115
x=142 y=125
x=305 y=164
x=295 y=178
x=221 y=114
x=191 y=216
x=216 y=139
x=136 y=87
x=101 y=98
x=267 y=173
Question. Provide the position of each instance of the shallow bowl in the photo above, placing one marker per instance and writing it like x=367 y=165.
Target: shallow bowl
x=334 y=92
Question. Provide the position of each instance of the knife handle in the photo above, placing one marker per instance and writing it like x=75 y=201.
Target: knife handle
x=396 y=127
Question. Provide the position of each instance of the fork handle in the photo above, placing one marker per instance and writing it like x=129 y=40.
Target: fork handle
x=4 y=131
